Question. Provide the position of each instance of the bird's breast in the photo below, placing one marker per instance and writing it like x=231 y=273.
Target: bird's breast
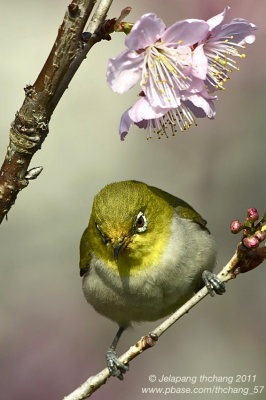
x=149 y=289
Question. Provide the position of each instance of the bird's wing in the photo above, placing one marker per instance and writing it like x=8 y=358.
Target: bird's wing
x=85 y=253
x=183 y=209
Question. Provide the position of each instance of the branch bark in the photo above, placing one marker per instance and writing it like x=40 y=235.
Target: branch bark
x=240 y=262
x=31 y=124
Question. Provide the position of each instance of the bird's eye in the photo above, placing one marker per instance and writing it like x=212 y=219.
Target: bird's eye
x=98 y=228
x=105 y=239
x=141 y=222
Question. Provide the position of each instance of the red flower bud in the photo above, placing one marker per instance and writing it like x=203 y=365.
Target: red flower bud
x=260 y=235
x=236 y=226
x=252 y=214
x=251 y=242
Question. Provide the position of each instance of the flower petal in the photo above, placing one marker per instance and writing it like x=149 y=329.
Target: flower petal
x=202 y=107
x=217 y=19
x=143 y=124
x=147 y=30
x=142 y=110
x=125 y=123
x=238 y=30
x=248 y=40
x=186 y=32
x=197 y=112
x=199 y=63
x=124 y=71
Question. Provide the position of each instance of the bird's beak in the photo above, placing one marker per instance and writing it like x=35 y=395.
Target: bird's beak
x=117 y=248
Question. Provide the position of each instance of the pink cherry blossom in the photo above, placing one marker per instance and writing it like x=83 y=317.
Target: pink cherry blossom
x=160 y=58
x=162 y=121
x=213 y=56
x=178 y=68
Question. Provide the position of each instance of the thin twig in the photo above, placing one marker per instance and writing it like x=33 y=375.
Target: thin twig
x=236 y=265
x=30 y=127
x=96 y=20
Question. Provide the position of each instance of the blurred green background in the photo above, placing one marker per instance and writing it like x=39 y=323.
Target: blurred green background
x=51 y=340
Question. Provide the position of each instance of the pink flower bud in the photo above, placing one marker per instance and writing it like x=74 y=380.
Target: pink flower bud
x=260 y=235
x=251 y=242
x=252 y=214
x=236 y=226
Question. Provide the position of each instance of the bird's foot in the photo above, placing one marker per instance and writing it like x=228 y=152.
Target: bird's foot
x=213 y=283
x=115 y=367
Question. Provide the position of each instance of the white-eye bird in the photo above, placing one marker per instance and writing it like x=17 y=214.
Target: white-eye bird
x=144 y=253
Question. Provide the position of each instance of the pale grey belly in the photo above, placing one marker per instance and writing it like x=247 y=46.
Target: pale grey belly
x=146 y=297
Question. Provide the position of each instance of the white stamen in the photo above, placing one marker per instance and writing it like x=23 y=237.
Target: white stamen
x=180 y=117
x=220 y=63
x=163 y=72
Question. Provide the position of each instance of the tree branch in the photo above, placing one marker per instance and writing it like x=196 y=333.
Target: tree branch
x=242 y=261
x=30 y=127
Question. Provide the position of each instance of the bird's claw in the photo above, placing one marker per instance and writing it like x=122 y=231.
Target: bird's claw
x=115 y=367
x=213 y=283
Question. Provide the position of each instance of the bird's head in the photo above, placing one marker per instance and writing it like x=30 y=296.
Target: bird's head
x=129 y=224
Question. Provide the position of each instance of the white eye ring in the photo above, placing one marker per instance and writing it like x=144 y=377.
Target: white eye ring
x=141 y=222
x=98 y=227
x=104 y=237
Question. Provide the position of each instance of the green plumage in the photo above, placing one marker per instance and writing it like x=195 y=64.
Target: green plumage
x=121 y=202
x=183 y=209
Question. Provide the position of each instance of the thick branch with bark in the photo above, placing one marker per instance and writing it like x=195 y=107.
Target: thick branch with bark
x=30 y=127
x=241 y=262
